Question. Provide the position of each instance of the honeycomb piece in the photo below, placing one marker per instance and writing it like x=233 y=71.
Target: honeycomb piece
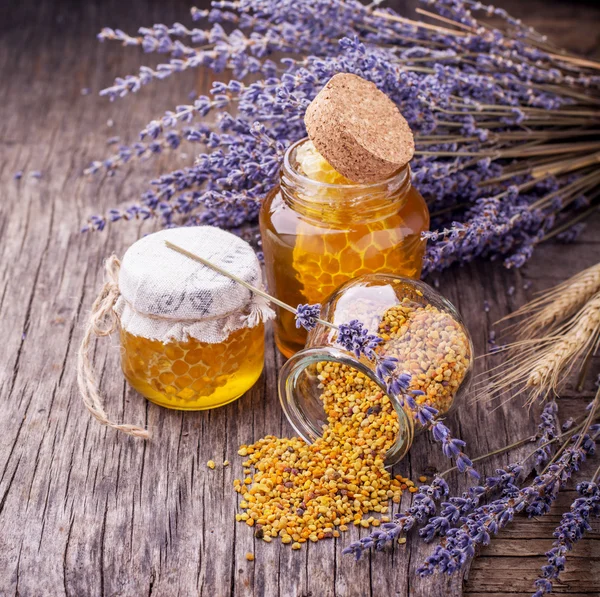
x=180 y=367
x=194 y=375
x=314 y=166
x=368 y=248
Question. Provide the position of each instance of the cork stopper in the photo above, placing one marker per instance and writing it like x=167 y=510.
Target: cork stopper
x=358 y=129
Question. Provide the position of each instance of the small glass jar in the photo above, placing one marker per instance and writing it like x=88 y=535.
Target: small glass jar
x=316 y=236
x=419 y=327
x=191 y=338
x=193 y=375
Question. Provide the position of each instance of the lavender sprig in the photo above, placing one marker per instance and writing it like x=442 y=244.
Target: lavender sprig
x=571 y=529
x=423 y=507
x=423 y=510
x=470 y=118
x=457 y=508
x=398 y=384
x=355 y=337
x=547 y=430
x=307 y=316
x=485 y=521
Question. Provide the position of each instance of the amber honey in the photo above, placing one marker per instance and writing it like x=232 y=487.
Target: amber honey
x=193 y=375
x=318 y=235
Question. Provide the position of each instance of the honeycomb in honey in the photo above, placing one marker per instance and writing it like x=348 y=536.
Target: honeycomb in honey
x=314 y=166
x=316 y=237
x=193 y=375
x=324 y=261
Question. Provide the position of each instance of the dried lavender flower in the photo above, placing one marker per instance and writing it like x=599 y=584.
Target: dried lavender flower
x=398 y=384
x=486 y=520
x=567 y=424
x=456 y=508
x=571 y=529
x=468 y=118
x=355 y=337
x=307 y=315
x=547 y=431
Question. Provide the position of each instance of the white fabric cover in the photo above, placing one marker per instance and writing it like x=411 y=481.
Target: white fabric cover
x=167 y=296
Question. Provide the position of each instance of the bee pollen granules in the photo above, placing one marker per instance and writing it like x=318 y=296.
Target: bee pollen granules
x=302 y=492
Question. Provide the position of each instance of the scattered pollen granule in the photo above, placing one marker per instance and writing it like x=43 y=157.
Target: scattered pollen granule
x=302 y=492
x=211 y=464
x=250 y=557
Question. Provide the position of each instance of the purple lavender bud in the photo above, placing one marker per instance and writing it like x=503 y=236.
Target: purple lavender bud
x=440 y=431
x=385 y=367
x=426 y=415
x=355 y=338
x=307 y=315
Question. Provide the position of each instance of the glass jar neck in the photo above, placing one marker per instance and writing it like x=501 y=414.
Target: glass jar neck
x=341 y=202
x=302 y=406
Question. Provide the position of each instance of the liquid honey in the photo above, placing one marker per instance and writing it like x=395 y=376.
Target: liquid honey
x=317 y=236
x=193 y=375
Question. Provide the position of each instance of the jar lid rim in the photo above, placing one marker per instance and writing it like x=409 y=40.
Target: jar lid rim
x=159 y=282
x=165 y=295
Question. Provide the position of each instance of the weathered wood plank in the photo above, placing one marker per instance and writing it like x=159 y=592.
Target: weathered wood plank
x=588 y=548
x=85 y=511
x=522 y=593
x=580 y=575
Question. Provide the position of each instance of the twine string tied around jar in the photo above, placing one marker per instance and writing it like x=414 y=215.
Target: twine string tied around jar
x=102 y=322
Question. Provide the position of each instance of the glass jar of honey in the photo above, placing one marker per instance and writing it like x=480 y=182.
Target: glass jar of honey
x=191 y=339
x=193 y=375
x=419 y=328
x=319 y=230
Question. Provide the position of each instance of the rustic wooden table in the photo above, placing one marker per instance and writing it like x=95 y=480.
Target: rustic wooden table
x=85 y=511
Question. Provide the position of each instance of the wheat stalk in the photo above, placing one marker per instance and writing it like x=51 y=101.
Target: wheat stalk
x=539 y=365
x=580 y=336
x=556 y=305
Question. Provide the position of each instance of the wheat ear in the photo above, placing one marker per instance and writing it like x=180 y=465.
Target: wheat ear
x=579 y=336
x=540 y=364
x=556 y=305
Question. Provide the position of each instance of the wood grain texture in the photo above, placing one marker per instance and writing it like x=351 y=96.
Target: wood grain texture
x=85 y=511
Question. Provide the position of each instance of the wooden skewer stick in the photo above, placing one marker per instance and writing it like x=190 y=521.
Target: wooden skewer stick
x=233 y=277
